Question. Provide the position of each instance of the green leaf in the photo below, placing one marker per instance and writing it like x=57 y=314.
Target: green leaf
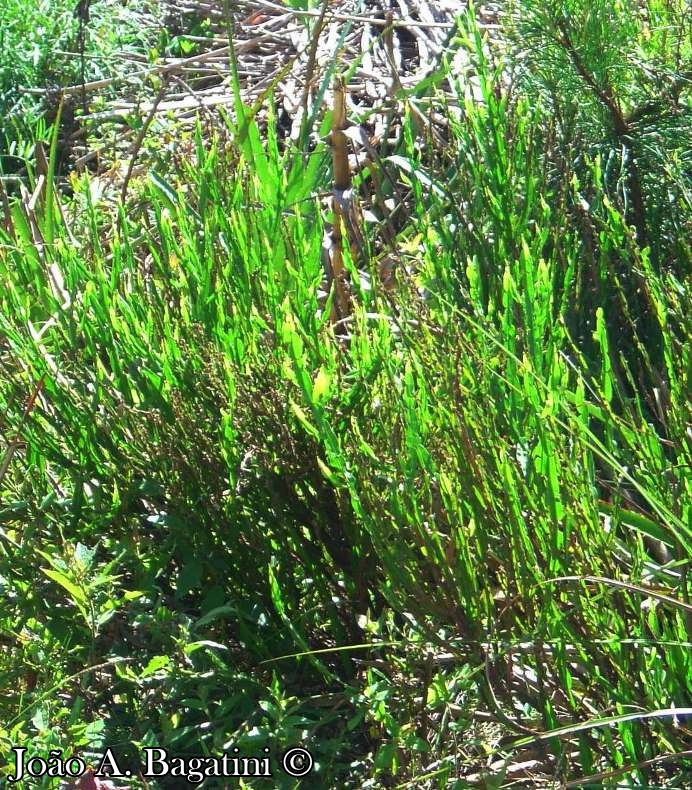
x=157 y=663
x=303 y=419
x=638 y=522
x=75 y=592
x=132 y=595
x=321 y=385
x=164 y=191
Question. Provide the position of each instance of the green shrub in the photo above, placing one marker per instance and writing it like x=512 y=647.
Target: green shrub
x=452 y=532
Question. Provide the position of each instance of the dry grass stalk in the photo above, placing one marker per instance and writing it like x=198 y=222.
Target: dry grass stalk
x=341 y=189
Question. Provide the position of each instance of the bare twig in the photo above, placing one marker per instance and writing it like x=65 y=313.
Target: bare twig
x=161 y=69
x=134 y=148
x=14 y=444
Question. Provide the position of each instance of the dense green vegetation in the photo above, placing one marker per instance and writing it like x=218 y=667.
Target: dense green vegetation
x=442 y=542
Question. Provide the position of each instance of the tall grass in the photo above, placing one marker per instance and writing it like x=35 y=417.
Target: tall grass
x=448 y=547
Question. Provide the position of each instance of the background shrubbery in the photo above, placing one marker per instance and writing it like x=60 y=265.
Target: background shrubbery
x=47 y=45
